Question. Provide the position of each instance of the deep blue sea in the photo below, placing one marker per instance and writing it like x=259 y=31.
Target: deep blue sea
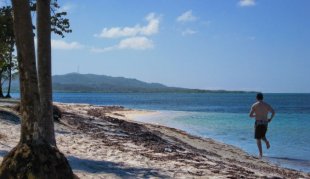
x=223 y=117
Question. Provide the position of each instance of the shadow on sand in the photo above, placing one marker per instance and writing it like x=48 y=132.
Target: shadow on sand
x=3 y=153
x=94 y=166
x=9 y=117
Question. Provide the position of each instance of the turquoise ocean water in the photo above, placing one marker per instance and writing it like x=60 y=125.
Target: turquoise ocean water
x=223 y=117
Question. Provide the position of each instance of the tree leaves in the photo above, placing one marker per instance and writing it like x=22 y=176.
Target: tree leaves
x=60 y=25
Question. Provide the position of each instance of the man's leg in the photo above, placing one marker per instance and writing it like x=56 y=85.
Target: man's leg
x=259 y=145
x=267 y=142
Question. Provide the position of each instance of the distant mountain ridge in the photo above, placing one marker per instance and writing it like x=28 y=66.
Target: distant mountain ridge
x=101 y=83
x=76 y=82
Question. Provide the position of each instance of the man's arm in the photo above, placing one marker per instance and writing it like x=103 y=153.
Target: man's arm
x=252 y=112
x=272 y=113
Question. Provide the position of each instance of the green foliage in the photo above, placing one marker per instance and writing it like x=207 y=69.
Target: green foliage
x=8 y=62
x=59 y=23
x=7 y=39
x=6 y=24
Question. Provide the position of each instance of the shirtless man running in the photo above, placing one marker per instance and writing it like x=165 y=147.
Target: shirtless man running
x=260 y=111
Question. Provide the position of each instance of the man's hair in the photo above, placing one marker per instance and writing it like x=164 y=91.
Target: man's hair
x=259 y=96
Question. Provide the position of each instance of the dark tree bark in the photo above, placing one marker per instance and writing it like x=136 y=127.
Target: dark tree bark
x=30 y=104
x=44 y=69
x=1 y=91
x=33 y=157
x=8 y=95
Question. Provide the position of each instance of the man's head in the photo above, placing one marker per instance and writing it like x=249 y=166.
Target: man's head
x=259 y=96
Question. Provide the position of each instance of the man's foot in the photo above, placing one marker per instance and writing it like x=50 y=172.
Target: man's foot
x=260 y=156
x=267 y=144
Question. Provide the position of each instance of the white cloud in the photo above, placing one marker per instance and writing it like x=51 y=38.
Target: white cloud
x=187 y=17
x=138 y=43
x=245 y=3
x=135 y=43
x=188 y=32
x=63 y=45
x=68 y=7
x=151 y=28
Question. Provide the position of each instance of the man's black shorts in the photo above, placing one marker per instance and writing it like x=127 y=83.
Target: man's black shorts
x=260 y=131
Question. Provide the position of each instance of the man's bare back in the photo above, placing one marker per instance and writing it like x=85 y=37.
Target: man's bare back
x=260 y=111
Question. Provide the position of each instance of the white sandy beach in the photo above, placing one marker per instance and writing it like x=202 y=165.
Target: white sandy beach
x=105 y=142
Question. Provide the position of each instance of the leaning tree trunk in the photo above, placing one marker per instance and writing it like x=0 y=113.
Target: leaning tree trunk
x=8 y=95
x=44 y=69
x=33 y=157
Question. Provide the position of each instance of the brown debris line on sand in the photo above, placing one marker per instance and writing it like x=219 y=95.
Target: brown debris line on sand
x=2 y=136
x=56 y=111
x=124 y=131
x=141 y=136
x=89 y=131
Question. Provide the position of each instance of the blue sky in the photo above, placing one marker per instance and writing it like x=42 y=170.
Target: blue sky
x=261 y=45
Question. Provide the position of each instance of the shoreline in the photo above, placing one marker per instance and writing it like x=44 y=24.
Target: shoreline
x=159 y=117
x=102 y=142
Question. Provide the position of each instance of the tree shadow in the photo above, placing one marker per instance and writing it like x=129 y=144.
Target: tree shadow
x=9 y=117
x=94 y=166
x=3 y=153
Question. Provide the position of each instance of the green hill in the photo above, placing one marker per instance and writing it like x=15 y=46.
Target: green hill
x=75 y=82
x=101 y=83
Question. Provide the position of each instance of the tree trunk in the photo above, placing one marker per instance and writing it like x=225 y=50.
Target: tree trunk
x=1 y=91
x=33 y=157
x=8 y=95
x=44 y=69
x=30 y=102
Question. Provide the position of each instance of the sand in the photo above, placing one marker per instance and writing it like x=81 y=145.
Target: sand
x=105 y=142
